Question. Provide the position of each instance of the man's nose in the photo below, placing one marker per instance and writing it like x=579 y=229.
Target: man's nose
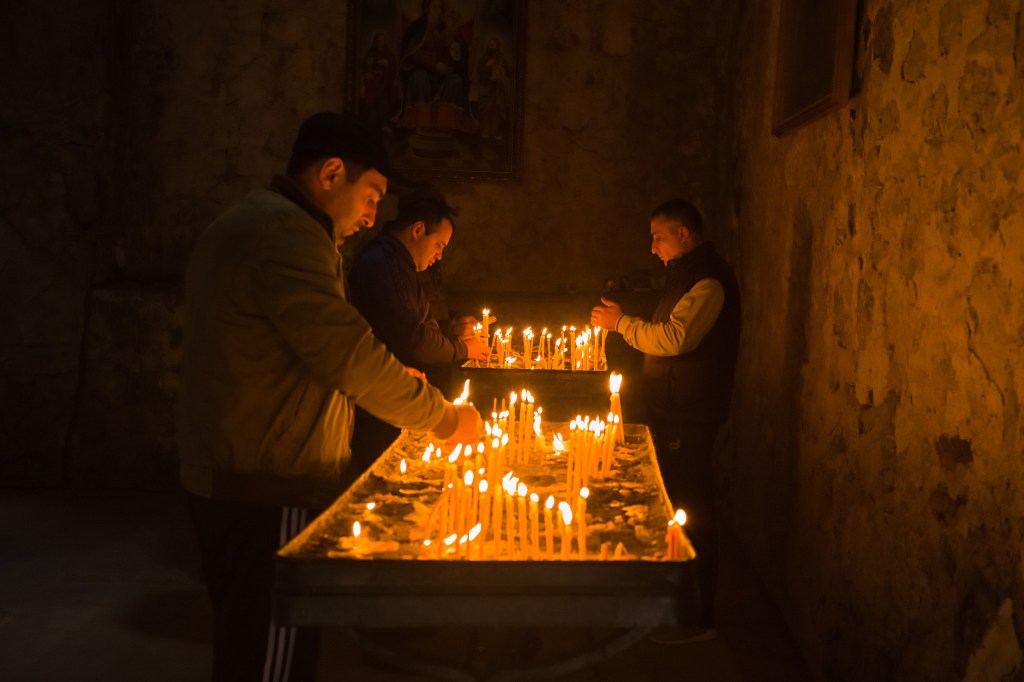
x=370 y=217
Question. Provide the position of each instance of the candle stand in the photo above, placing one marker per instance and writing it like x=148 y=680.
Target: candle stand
x=389 y=577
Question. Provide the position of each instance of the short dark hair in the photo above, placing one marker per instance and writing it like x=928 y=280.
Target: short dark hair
x=681 y=211
x=424 y=203
x=331 y=134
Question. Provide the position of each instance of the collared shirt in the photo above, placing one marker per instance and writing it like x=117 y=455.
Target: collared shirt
x=690 y=320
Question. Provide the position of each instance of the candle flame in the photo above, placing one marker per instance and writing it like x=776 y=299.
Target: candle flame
x=521 y=489
x=534 y=498
x=426 y=543
x=557 y=443
x=356 y=529
x=585 y=493
x=403 y=466
x=474 y=531
x=464 y=395
x=680 y=517
x=483 y=486
x=468 y=478
x=371 y=505
x=550 y=504
x=450 y=540
x=615 y=382
x=566 y=512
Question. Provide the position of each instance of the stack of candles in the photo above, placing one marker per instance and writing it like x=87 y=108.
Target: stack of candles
x=582 y=351
x=523 y=430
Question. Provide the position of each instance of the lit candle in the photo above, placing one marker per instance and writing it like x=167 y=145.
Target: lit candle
x=615 y=383
x=524 y=537
x=486 y=323
x=528 y=429
x=512 y=422
x=581 y=521
x=549 y=527
x=470 y=498
x=566 y=529
x=485 y=510
x=461 y=400
x=475 y=549
x=572 y=348
x=510 y=515
x=679 y=547
x=402 y=467
x=538 y=441
x=534 y=523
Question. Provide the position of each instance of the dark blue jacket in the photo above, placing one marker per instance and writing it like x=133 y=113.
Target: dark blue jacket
x=384 y=287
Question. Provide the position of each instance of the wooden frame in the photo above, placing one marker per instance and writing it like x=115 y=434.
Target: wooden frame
x=815 y=60
x=443 y=80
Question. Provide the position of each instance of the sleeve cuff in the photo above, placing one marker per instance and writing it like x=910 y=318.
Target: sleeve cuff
x=445 y=428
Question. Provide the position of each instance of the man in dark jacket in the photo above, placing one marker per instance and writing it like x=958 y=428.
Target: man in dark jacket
x=690 y=348
x=385 y=287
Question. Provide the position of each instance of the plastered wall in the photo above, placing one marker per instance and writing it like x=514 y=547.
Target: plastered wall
x=875 y=460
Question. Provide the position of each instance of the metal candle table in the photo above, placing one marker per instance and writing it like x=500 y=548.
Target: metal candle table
x=388 y=578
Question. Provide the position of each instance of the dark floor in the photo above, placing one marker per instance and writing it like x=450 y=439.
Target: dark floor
x=104 y=586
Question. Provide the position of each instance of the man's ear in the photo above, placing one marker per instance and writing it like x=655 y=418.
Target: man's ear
x=331 y=171
x=683 y=233
x=419 y=228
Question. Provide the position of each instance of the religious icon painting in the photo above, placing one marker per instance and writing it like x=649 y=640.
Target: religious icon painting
x=443 y=81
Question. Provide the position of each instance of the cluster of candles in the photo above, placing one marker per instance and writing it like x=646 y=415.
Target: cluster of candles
x=574 y=350
x=477 y=520
x=484 y=511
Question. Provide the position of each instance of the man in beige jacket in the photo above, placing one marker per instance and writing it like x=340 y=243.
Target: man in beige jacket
x=275 y=358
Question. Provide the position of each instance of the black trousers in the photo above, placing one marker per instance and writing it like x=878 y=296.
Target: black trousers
x=237 y=543
x=686 y=457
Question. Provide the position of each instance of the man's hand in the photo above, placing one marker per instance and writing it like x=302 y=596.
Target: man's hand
x=478 y=349
x=469 y=428
x=463 y=325
x=413 y=372
x=606 y=316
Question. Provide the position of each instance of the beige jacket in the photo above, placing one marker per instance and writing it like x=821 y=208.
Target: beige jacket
x=275 y=357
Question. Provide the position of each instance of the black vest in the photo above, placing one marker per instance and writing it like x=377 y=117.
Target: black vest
x=696 y=385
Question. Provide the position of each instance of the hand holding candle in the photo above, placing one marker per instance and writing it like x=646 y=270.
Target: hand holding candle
x=606 y=316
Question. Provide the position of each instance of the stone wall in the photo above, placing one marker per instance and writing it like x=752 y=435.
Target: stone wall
x=135 y=124
x=875 y=468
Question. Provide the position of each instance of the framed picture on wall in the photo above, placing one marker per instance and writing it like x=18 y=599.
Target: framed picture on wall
x=815 y=60
x=443 y=80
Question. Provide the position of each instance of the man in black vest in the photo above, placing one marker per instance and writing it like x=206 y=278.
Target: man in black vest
x=689 y=350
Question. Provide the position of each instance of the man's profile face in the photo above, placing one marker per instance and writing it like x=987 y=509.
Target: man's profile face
x=668 y=239
x=428 y=246
x=353 y=206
